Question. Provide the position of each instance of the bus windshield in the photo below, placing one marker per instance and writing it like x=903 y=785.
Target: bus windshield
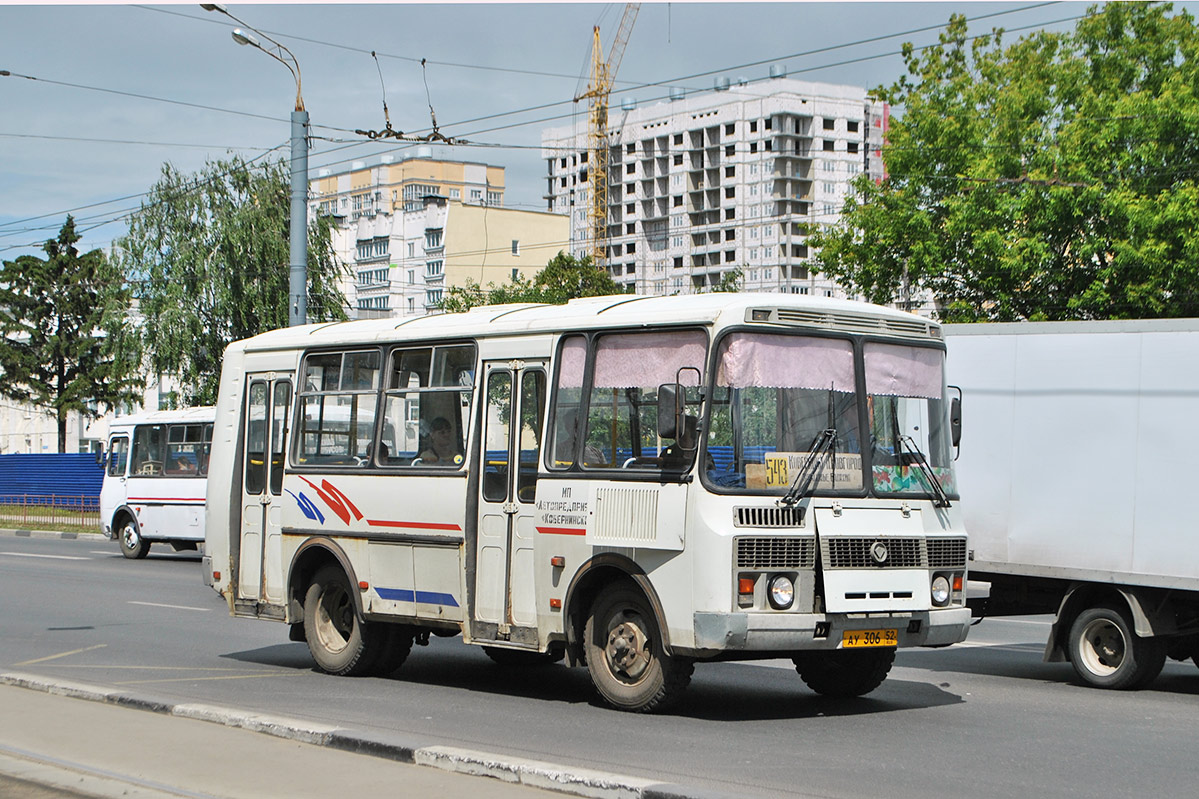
x=777 y=396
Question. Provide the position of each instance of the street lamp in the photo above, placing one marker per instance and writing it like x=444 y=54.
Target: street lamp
x=297 y=313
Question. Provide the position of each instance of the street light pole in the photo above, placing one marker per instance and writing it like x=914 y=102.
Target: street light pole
x=297 y=305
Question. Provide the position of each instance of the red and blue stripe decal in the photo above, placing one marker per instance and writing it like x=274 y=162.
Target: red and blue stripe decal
x=421 y=597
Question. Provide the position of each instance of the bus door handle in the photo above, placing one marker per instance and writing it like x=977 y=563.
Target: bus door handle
x=264 y=498
x=511 y=508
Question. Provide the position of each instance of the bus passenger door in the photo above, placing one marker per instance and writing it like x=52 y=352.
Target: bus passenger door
x=504 y=597
x=267 y=424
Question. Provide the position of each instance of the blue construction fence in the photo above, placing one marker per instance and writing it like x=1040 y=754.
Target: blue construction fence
x=69 y=480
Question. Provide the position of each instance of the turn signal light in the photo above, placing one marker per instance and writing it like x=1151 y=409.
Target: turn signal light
x=957 y=582
x=364 y=585
x=745 y=585
x=556 y=604
x=216 y=577
x=558 y=561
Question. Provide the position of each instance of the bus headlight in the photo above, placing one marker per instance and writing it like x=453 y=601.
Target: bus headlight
x=781 y=592
x=940 y=590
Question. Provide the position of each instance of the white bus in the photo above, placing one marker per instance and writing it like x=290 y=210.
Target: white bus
x=154 y=480
x=637 y=483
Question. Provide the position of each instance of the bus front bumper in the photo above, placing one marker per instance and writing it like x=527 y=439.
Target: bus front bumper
x=787 y=632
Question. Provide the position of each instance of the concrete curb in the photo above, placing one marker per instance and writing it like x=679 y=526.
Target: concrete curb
x=537 y=774
x=22 y=533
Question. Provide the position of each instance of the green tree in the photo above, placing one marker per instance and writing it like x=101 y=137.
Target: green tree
x=209 y=254
x=563 y=278
x=68 y=345
x=1053 y=178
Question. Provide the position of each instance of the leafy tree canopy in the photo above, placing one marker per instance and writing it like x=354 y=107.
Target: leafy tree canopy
x=1053 y=178
x=209 y=255
x=563 y=278
x=67 y=344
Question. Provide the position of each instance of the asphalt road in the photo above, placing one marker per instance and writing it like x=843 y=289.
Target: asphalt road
x=985 y=718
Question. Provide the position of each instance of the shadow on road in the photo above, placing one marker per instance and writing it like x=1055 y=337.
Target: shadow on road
x=718 y=691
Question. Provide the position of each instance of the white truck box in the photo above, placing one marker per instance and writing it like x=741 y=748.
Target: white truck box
x=1078 y=487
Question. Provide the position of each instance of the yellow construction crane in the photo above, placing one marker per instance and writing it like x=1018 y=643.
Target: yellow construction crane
x=603 y=74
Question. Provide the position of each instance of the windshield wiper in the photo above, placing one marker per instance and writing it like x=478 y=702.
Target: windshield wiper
x=822 y=446
x=914 y=455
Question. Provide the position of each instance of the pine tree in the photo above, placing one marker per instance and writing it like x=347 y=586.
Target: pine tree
x=68 y=342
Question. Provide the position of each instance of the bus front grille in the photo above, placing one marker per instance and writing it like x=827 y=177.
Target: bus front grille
x=776 y=553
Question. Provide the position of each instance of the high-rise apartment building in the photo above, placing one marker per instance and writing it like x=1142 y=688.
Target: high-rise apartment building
x=733 y=178
x=409 y=229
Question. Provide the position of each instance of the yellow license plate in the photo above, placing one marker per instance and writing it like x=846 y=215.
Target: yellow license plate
x=851 y=639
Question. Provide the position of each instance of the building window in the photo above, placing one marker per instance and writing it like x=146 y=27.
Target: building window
x=729 y=128
x=411 y=249
x=769 y=123
x=678 y=159
x=456 y=194
x=829 y=124
x=730 y=256
x=828 y=145
x=434 y=268
x=630 y=248
x=851 y=126
x=411 y=305
x=630 y=168
x=516 y=247
x=678 y=201
x=730 y=171
x=730 y=150
x=753 y=147
x=476 y=195
x=411 y=277
x=678 y=138
x=851 y=146
x=433 y=239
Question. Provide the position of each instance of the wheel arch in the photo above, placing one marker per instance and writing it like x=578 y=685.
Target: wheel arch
x=591 y=578
x=308 y=558
x=1151 y=610
x=120 y=513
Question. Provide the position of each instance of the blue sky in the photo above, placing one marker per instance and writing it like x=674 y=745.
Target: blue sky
x=86 y=137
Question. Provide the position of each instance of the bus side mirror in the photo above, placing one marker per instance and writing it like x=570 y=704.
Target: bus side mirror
x=955 y=417
x=101 y=457
x=670 y=410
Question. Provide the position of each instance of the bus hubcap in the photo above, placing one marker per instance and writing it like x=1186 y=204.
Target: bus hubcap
x=628 y=649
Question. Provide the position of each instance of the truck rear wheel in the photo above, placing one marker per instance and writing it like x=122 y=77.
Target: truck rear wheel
x=843 y=673
x=625 y=657
x=1106 y=653
x=339 y=641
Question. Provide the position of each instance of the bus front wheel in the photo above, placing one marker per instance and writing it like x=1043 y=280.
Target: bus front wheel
x=339 y=641
x=133 y=546
x=625 y=657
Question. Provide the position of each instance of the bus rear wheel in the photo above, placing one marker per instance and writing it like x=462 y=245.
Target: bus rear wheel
x=133 y=546
x=339 y=641
x=845 y=674
x=625 y=657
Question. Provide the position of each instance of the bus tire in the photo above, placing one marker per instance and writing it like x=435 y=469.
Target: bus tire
x=339 y=641
x=1107 y=653
x=394 y=649
x=518 y=657
x=133 y=546
x=843 y=674
x=625 y=658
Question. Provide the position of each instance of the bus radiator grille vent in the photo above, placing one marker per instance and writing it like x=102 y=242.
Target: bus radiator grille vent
x=776 y=553
x=768 y=517
x=860 y=324
x=626 y=515
x=855 y=553
x=947 y=553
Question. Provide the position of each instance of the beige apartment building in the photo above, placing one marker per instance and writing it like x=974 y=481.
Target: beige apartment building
x=410 y=228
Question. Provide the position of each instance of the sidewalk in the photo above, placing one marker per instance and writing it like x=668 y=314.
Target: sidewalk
x=110 y=751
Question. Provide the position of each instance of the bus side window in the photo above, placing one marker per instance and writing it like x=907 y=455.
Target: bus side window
x=148 y=445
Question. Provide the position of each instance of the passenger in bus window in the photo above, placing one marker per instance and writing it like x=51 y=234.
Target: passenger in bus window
x=441 y=449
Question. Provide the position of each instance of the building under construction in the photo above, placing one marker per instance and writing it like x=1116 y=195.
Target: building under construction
x=699 y=184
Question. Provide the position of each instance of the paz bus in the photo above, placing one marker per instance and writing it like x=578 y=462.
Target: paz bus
x=154 y=480
x=637 y=484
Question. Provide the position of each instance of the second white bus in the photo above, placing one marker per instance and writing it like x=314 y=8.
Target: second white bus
x=155 y=479
x=637 y=483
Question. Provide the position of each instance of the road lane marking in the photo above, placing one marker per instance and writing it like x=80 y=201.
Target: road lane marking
x=60 y=655
x=173 y=607
x=209 y=679
x=49 y=557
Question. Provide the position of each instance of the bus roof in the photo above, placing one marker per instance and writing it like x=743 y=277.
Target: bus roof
x=201 y=414
x=620 y=310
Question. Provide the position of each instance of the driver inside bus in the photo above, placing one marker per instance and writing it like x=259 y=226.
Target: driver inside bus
x=441 y=447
